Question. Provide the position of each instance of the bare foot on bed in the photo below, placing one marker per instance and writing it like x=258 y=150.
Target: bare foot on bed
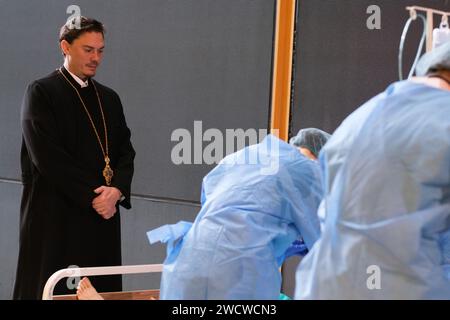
x=86 y=291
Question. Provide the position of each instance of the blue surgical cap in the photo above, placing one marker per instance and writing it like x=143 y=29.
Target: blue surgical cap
x=436 y=59
x=311 y=138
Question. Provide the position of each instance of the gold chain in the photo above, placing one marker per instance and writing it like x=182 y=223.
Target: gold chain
x=107 y=172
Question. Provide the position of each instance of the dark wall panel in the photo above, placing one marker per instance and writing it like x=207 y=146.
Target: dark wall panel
x=341 y=63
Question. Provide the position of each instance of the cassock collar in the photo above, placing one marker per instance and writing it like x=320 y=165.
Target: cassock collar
x=81 y=83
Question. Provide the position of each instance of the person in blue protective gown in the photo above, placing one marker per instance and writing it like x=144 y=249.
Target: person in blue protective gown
x=386 y=232
x=255 y=203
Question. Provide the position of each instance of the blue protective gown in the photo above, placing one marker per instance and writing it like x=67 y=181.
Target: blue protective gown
x=387 y=202
x=250 y=215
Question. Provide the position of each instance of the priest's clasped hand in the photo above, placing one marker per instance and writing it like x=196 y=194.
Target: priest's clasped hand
x=105 y=202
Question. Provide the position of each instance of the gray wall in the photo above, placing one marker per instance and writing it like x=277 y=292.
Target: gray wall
x=172 y=62
x=9 y=238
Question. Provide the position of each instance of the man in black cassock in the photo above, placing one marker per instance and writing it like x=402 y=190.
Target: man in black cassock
x=77 y=167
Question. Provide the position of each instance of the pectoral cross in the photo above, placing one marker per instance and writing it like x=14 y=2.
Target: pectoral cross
x=108 y=173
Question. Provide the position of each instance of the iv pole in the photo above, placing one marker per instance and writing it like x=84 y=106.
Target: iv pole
x=430 y=22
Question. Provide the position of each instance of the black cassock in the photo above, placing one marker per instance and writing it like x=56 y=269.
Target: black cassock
x=62 y=164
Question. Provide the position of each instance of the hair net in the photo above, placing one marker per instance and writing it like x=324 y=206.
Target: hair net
x=311 y=138
x=436 y=59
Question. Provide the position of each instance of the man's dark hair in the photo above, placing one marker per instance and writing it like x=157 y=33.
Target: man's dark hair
x=72 y=29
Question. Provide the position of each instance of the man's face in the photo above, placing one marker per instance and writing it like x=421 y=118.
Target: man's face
x=84 y=54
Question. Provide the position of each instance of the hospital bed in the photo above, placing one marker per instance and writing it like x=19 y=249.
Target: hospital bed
x=100 y=271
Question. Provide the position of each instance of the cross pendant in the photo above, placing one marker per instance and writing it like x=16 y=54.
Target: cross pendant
x=108 y=173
